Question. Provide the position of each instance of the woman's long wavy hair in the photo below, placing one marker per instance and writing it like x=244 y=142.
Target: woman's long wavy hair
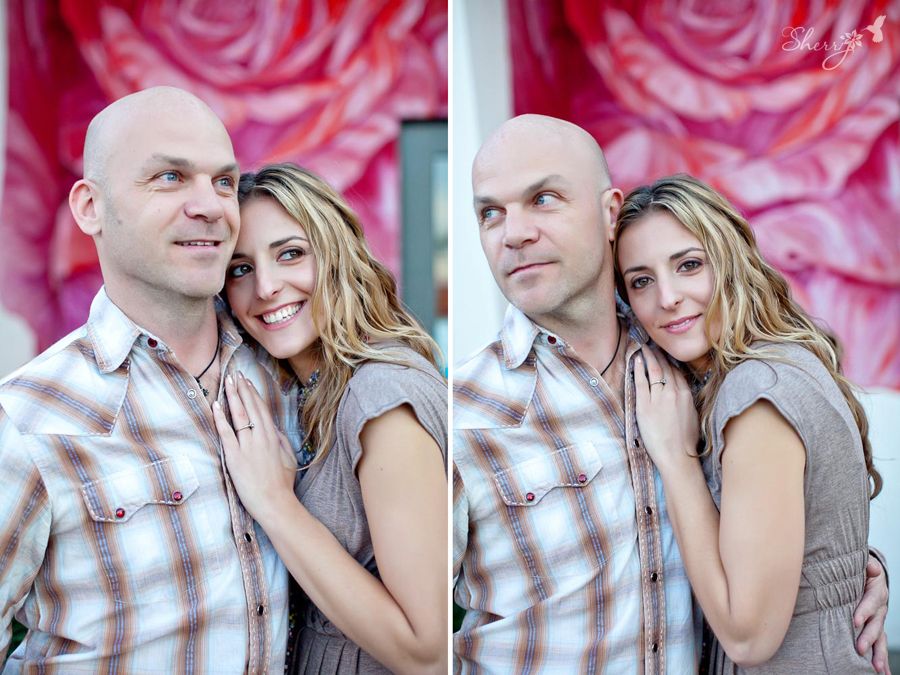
x=751 y=301
x=355 y=303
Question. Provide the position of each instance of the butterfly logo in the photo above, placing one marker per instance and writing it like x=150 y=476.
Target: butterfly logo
x=875 y=29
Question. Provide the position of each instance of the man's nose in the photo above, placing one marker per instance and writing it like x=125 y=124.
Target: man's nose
x=204 y=201
x=519 y=228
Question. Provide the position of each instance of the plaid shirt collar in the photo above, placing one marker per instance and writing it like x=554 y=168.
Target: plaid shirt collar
x=113 y=334
x=518 y=333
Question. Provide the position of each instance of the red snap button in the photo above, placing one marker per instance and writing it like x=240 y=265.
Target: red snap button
x=582 y=478
x=152 y=343
x=177 y=496
x=529 y=497
x=120 y=513
x=551 y=339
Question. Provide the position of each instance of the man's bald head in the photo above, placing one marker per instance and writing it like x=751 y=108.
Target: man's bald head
x=109 y=131
x=544 y=130
x=159 y=198
x=545 y=208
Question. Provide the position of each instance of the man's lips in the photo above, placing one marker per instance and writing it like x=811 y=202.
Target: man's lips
x=681 y=325
x=527 y=267
x=199 y=243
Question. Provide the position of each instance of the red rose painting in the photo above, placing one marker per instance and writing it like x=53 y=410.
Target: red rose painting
x=791 y=109
x=323 y=83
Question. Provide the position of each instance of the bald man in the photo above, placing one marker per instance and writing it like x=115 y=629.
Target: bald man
x=563 y=553
x=123 y=546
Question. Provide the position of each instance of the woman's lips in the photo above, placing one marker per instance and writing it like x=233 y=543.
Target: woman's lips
x=681 y=325
x=281 y=316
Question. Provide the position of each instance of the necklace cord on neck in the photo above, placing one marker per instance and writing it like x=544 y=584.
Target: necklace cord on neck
x=613 y=358
x=209 y=365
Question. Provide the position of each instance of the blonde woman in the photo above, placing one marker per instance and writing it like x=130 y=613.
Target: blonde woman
x=776 y=547
x=365 y=533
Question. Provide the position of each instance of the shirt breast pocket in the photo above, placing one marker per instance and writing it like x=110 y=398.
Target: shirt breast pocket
x=150 y=530
x=552 y=502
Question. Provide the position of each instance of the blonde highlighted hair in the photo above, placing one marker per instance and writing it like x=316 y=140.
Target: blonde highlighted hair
x=751 y=301
x=355 y=303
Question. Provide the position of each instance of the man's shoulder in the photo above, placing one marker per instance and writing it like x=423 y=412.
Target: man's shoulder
x=487 y=394
x=63 y=391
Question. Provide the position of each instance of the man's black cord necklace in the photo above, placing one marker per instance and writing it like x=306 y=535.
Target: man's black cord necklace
x=618 y=339
x=215 y=356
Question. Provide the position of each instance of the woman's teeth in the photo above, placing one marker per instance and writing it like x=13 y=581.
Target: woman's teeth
x=282 y=314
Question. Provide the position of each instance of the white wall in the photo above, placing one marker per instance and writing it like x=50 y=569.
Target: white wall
x=481 y=100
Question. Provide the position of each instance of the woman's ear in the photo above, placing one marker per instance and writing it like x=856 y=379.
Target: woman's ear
x=83 y=199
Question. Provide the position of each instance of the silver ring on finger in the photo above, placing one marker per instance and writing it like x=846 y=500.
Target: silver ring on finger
x=662 y=382
x=249 y=425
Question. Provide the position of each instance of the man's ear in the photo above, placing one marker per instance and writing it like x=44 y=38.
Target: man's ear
x=614 y=203
x=83 y=204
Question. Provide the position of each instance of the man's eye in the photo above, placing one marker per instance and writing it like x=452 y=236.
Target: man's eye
x=169 y=176
x=545 y=199
x=225 y=182
x=489 y=213
x=238 y=271
x=640 y=282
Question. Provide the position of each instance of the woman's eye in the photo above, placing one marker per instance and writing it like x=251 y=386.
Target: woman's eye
x=690 y=265
x=238 y=271
x=291 y=254
x=640 y=282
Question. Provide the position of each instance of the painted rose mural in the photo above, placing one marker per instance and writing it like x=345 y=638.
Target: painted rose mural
x=324 y=83
x=791 y=109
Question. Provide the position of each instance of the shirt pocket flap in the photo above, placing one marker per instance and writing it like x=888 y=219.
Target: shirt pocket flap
x=120 y=495
x=526 y=483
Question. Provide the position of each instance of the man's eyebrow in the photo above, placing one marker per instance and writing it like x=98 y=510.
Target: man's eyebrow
x=542 y=183
x=274 y=244
x=672 y=258
x=484 y=200
x=183 y=163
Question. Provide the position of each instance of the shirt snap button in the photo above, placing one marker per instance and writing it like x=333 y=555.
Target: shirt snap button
x=648 y=510
x=654 y=647
x=151 y=342
x=653 y=577
x=177 y=496
x=529 y=497
x=551 y=339
x=120 y=513
x=191 y=393
x=582 y=478
x=247 y=536
x=594 y=381
x=260 y=609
